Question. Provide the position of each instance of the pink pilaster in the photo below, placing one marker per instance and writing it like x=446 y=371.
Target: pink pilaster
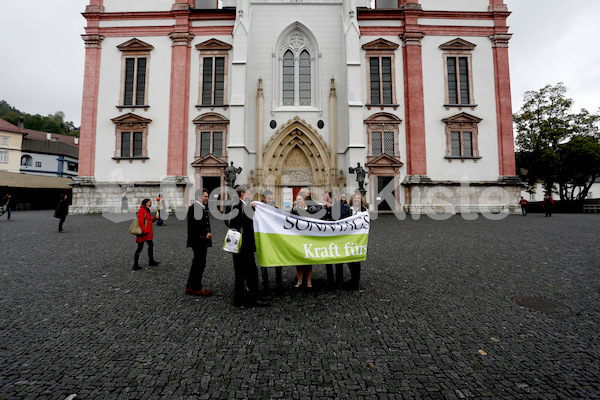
x=413 y=98
x=180 y=91
x=89 y=109
x=506 y=148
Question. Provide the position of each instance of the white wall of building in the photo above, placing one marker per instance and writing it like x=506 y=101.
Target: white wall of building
x=135 y=6
x=484 y=94
x=48 y=164
x=324 y=21
x=455 y=5
x=159 y=76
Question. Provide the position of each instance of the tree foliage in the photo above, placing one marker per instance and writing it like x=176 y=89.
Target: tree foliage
x=53 y=123
x=556 y=146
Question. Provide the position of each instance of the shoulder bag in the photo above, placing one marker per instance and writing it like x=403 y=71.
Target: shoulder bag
x=135 y=228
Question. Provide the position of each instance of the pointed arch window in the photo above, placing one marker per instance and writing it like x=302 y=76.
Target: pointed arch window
x=296 y=78
x=297 y=57
x=288 y=78
x=304 y=79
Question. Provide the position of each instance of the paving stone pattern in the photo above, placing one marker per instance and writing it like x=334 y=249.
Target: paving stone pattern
x=433 y=319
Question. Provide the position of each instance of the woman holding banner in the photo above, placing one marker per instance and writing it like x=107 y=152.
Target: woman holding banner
x=303 y=270
x=357 y=205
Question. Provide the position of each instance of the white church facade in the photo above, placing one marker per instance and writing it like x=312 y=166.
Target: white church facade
x=296 y=93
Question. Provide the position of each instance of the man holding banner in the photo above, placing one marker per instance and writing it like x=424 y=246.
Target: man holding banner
x=244 y=265
x=285 y=239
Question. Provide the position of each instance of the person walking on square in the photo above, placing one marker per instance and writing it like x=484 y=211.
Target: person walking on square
x=357 y=205
x=303 y=270
x=145 y=220
x=7 y=205
x=244 y=265
x=548 y=205
x=267 y=198
x=160 y=206
x=333 y=212
x=62 y=210
x=199 y=239
x=523 y=204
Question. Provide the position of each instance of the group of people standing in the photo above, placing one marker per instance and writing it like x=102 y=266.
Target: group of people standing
x=333 y=211
x=246 y=282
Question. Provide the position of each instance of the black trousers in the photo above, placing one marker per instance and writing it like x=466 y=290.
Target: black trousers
x=339 y=274
x=246 y=274
x=264 y=271
x=194 y=281
x=61 y=222
x=354 y=272
x=150 y=249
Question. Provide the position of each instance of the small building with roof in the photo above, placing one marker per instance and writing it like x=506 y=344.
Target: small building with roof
x=11 y=139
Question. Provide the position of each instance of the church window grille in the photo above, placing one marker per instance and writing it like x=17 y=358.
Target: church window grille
x=304 y=79
x=462 y=137
x=213 y=81
x=211 y=142
x=380 y=69
x=458 y=80
x=131 y=137
x=297 y=69
x=382 y=142
x=288 y=78
x=132 y=144
x=135 y=81
x=462 y=144
x=134 y=74
x=458 y=73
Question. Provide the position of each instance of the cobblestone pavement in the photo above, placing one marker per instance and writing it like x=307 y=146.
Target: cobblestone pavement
x=433 y=319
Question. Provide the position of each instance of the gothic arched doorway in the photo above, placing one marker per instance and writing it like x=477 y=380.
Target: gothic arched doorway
x=296 y=156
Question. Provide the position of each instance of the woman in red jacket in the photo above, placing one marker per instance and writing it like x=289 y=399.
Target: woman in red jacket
x=145 y=219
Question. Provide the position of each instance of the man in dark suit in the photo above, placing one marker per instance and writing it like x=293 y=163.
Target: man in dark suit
x=244 y=265
x=333 y=212
x=199 y=239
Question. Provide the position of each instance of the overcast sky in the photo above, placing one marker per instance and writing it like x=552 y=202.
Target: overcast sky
x=42 y=54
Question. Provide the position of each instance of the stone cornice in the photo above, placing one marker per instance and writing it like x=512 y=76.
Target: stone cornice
x=412 y=38
x=94 y=9
x=181 y=38
x=500 y=39
x=92 y=41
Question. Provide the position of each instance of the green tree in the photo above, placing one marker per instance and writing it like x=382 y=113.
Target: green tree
x=556 y=146
x=53 y=123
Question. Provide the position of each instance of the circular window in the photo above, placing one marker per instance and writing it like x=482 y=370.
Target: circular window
x=320 y=124
x=273 y=124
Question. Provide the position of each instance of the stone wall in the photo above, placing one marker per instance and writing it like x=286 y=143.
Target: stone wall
x=430 y=197
x=91 y=197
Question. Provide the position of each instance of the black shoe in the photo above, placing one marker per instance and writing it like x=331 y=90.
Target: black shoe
x=350 y=286
x=259 y=303
x=153 y=263
x=137 y=268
